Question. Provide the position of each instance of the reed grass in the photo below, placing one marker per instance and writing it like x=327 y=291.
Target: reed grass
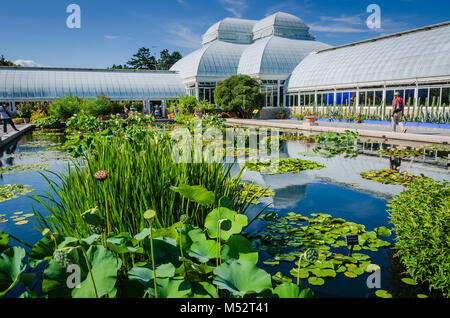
x=140 y=177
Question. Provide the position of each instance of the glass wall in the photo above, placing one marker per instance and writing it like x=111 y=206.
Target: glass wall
x=431 y=98
x=206 y=91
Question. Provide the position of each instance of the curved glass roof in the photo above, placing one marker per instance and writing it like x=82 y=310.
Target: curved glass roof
x=232 y=30
x=413 y=54
x=282 y=24
x=276 y=55
x=217 y=59
x=41 y=83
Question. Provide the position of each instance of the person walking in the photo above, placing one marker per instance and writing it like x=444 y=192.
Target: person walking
x=397 y=113
x=125 y=112
x=5 y=116
x=175 y=110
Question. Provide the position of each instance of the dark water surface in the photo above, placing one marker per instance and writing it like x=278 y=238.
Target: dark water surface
x=337 y=189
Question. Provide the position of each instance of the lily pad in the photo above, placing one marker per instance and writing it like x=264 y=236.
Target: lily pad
x=409 y=281
x=383 y=294
x=316 y=281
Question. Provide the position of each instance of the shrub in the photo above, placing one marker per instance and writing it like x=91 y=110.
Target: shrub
x=240 y=94
x=25 y=109
x=186 y=104
x=99 y=106
x=36 y=115
x=64 y=108
x=206 y=106
x=47 y=122
x=422 y=223
x=84 y=123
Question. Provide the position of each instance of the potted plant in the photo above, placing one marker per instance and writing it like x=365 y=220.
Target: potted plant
x=281 y=114
x=359 y=119
x=24 y=110
x=310 y=117
x=198 y=113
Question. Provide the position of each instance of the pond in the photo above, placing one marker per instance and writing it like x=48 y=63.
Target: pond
x=338 y=190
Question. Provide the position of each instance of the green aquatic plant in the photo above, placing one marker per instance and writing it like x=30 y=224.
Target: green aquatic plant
x=282 y=165
x=23 y=168
x=333 y=144
x=387 y=176
x=161 y=273
x=12 y=191
x=403 y=152
x=285 y=238
x=422 y=221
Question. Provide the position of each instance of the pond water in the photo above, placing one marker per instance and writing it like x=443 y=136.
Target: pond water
x=31 y=149
x=338 y=189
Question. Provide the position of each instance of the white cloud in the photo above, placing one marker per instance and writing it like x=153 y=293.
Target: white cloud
x=335 y=28
x=111 y=37
x=290 y=6
x=183 y=36
x=352 y=19
x=27 y=63
x=236 y=7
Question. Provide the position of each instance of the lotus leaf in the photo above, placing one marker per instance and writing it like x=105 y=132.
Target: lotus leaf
x=241 y=278
x=239 y=248
x=104 y=268
x=290 y=290
x=11 y=267
x=203 y=250
x=238 y=221
x=196 y=193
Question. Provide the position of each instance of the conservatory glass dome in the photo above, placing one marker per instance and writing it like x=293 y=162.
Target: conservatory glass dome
x=273 y=45
x=282 y=24
x=216 y=59
x=230 y=29
x=276 y=55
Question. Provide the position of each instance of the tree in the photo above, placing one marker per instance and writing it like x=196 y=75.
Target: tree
x=167 y=60
x=5 y=62
x=143 y=60
x=240 y=94
x=119 y=67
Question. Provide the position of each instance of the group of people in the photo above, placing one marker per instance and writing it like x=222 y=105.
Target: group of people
x=6 y=117
x=155 y=111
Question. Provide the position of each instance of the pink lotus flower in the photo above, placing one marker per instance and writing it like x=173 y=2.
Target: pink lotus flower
x=175 y=128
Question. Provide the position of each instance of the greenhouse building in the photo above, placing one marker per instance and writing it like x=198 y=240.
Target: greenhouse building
x=45 y=84
x=292 y=68
x=415 y=63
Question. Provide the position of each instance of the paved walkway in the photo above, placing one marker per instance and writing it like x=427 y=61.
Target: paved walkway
x=426 y=135
x=12 y=134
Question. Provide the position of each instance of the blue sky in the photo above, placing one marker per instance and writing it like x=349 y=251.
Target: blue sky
x=113 y=30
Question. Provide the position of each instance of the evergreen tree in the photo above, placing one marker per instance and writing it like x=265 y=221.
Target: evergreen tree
x=143 y=60
x=5 y=62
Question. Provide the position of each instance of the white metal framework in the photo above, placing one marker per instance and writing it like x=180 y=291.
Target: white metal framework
x=415 y=63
